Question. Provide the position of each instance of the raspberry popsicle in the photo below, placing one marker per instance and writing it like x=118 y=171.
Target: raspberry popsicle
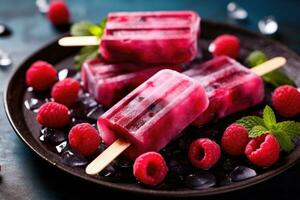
x=108 y=83
x=230 y=87
x=146 y=37
x=154 y=113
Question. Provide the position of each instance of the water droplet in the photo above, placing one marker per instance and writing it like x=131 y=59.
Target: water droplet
x=241 y=173
x=211 y=47
x=200 y=180
x=53 y=135
x=108 y=171
x=73 y=159
x=65 y=73
x=42 y=5
x=88 y=101
x=42 y=138
x=30 y=89
x=61 y=147
x=95 y=113
x=77 y=77
x=268 y=25
x=75 y=121
x=236 y=12
x=5 y=60
x=62 y=74
x=32 y=104
x=4 y=30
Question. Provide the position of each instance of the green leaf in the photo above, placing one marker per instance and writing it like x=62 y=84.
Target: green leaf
x=291 y=128
x=284 y=140
x=103 y=23
x=250 y=121
x=277 y=78
x=81 y=28
x=85 y=53
x=269 y=117
x=257 y=131
x=255 y=58
x=96 y=30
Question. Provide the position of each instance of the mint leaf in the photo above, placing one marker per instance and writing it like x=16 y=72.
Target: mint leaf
x=291 y=128
x=103 y=23
x=96 y=30
x=269 y=117
x=284 y=140
x=250 y=121
x=256 y=58
x=277 y=78
x=85 y=53
x=257 y=131
x=81 y=28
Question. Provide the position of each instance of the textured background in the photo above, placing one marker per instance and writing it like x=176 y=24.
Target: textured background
x=25 y=176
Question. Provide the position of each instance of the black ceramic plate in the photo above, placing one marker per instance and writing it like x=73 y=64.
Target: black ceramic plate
x=27 y=129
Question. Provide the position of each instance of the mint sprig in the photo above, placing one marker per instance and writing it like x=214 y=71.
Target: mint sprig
x=86 y=28
x=81 y=28
x=283 y=131
x=250 y=121
x=276 y=77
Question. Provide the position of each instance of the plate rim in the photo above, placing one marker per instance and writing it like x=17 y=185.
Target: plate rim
x=164 y=193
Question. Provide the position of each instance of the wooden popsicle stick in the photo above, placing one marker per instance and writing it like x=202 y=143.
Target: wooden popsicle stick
x=113 y=151
x=79 y=41
x=269 y=66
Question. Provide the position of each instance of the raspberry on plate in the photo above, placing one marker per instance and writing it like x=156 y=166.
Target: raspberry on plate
x=286 y=101
x=84 y=138
x=204 y=153
x=66 y=91
x=41 y=75
x=235 y=139
x=53 y=115
x=226 y=44
x=150 y=168
x=263 y=151
x=58 y=13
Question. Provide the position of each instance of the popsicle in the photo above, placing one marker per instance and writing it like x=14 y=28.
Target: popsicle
x=154 y=113
x=146 y=37
x=230 y=87
x=108 y=83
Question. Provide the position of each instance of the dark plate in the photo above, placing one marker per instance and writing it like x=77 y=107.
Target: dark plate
x=28 y=130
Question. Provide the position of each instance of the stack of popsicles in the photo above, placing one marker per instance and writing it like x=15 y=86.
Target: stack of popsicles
x=149 y=117
x=136 y=45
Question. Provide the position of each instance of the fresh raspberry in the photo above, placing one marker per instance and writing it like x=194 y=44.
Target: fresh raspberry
x=235 y=139
x=226 y=44
x=58 y=13
x=84 y=138
x=66 y=91
x=263 y=151
x=204 y=153
x=286 y=101
x=41 y=75
x=150 y=168
x=53 y=115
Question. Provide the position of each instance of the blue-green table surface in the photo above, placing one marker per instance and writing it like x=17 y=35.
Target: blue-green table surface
x=25 y=176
